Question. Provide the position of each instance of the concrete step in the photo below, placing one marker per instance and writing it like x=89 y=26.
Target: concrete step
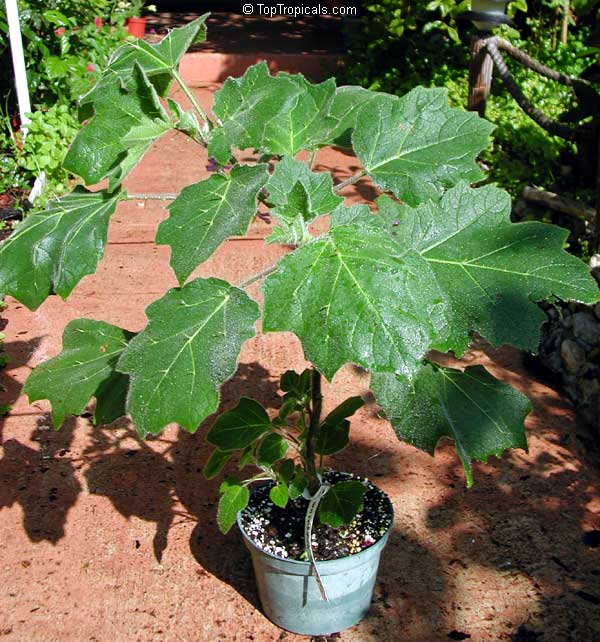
x=200 y=68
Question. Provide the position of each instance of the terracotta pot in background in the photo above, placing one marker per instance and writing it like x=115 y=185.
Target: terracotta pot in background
x=136 y=27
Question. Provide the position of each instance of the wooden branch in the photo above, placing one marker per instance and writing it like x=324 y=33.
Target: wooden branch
x=558 y=203
x=480 y=76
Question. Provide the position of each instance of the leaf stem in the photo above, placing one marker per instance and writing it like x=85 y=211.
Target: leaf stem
x=195 y=104
x=257 y=477
x=291 y=438
x=256 y=277
x=349 y=181
x=150 y=197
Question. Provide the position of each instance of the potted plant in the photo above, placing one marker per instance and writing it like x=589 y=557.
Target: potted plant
x=133 y=12
x=437 y=262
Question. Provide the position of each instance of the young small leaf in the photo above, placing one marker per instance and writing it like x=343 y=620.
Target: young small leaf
x=341 y=503
x=272 y=449
x=233 y=500
x=227 y=483
x=247 y=457
x=289 y=406
x=286 y=471
x=319 y=197
x=298 y=483
x=215 y=463
x=289 y=381
x=332 y=438
x=279 y=495
x=186 y=121
x=346 y=409
x=239 y=427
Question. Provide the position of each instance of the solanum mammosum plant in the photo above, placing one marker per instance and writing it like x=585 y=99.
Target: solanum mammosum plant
x=435 y=262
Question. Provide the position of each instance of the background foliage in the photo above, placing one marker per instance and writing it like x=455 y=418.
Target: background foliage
x=402 y=44
x=67 y=43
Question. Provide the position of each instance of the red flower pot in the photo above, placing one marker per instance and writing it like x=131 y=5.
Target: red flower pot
x=136 y=27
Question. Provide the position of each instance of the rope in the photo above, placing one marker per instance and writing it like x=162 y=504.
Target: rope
x=311 y=512
x=551 y=126
x=532 y=63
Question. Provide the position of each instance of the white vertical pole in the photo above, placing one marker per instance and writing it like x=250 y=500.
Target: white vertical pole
x=16 y=47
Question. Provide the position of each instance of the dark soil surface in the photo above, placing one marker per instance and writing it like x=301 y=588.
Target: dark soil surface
x=280 y=531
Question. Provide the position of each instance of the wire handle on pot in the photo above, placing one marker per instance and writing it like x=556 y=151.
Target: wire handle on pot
x=311 y=512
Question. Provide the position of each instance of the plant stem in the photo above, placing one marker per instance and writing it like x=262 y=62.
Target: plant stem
x=311 y=433
x=257 y=477
x=151 y=197
x=256 y=277
x=349 y=181
x=195 y=104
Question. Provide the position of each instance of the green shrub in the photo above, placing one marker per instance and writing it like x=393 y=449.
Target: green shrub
x=67 y=44
x=522 y=152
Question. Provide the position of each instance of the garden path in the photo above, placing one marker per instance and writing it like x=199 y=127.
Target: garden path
x=107 y=538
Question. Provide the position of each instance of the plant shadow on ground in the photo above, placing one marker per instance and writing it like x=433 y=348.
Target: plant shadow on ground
x=19 y=354
x=43 y=481
x=531 y=519
x=524 y=519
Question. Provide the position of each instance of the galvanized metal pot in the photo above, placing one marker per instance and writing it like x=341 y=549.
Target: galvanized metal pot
x=290 y=596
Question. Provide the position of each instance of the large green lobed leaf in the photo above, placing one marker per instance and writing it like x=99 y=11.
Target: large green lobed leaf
x=307 y=124
x=189 y=348
x=128 y=116
x=342 y=114
x=246 y=106
x=481 y=414
x=84 y=368
x=51 y=251
x=207 y=213
x=417 y=146
x=354 y=296
x=492 y=271
x=157 y=60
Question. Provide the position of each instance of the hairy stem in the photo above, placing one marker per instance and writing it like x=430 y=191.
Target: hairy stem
x=349 y=181
x=195 y=104
x=151 y=196
x=256 y=277
x=311 y=433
